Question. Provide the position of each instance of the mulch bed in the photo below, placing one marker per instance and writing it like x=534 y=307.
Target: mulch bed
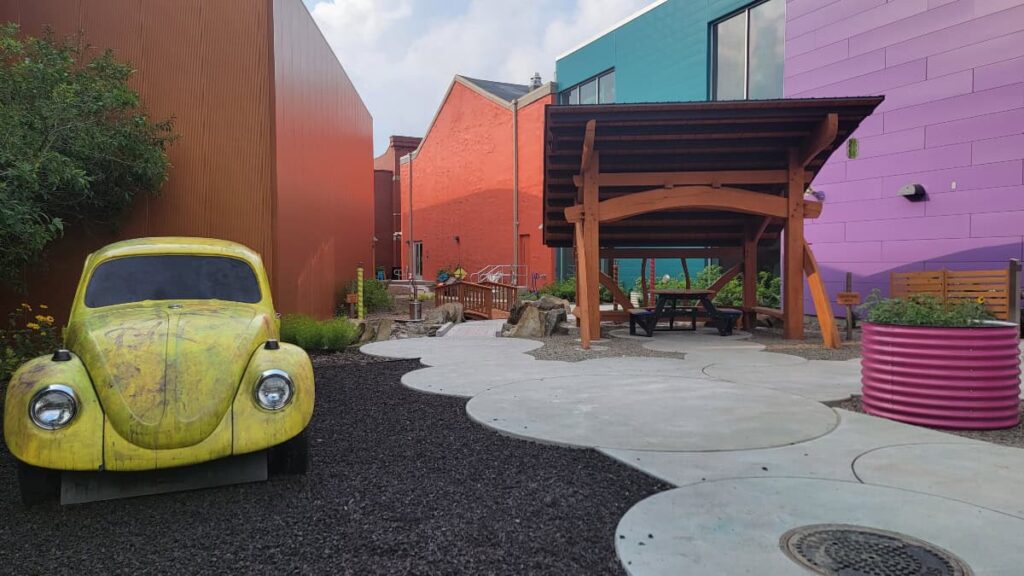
x=400 y=483
x=1006 y=437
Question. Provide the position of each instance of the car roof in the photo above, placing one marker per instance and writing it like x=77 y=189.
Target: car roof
x=176 y=245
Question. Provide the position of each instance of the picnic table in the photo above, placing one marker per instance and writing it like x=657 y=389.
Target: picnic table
x=681 y=302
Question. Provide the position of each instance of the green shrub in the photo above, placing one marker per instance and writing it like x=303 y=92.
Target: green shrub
x=77 y=143
x=28 y=334
x=424 y=296
x=923 y=310
x=338 y=333
x=376 y=297
x=566 y=290
x=769 y=287
x=309 y=334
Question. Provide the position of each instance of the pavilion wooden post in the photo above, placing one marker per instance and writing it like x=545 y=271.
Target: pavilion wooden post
x=793 y=251
x=591 y=229
x=750 y=238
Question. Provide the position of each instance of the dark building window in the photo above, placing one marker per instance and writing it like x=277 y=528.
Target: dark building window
x=597 y=90
x=747 y=53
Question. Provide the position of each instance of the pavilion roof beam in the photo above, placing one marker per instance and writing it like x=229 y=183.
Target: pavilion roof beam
x=819 y=140
x=705 y=178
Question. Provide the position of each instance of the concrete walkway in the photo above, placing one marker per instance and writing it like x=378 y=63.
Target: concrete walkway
x=744 y=435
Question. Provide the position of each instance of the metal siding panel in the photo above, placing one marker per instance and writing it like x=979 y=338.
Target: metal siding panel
x=207 y=65
x=324 y=163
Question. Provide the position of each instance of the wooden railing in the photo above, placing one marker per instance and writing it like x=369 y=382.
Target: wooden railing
x=505 y=296
x=998 y=289
x=476 y=299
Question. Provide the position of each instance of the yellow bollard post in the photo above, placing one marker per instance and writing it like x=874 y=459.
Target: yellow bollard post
x=360 y=311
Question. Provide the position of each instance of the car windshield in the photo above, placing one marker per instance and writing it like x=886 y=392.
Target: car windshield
x=171 y=277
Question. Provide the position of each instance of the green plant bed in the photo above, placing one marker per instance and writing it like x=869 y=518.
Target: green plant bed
x=313 y=335
x=923 y=310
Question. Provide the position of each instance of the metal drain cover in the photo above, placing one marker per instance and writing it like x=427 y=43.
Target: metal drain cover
x=845 y=550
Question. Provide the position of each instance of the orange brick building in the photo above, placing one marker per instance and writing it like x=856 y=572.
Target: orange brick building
x=387 y=208
x=475 y=185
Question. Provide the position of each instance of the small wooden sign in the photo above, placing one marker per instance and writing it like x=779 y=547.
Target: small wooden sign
x=352 y=298
x=848 y=299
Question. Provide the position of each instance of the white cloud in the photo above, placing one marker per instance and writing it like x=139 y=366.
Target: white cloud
x=402 y=54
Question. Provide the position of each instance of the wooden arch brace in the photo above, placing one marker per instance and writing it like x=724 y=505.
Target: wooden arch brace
x=686 y=197
x=827 y=321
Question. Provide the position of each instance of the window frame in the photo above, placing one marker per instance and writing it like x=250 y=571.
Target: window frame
x=565 y=98
x=713 y=49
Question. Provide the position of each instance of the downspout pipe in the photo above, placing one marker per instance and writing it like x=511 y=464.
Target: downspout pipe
x=515 y=192
x=412 y=244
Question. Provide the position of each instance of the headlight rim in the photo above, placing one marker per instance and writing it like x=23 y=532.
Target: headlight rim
x=62 y=388
x=264 y=376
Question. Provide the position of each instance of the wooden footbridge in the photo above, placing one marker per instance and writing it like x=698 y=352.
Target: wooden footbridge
x=484 y=300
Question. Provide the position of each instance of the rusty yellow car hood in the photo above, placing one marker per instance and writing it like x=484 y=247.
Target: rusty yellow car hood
x=166 y=374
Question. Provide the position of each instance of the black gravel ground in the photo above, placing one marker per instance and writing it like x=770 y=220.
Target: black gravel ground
x=400 y=483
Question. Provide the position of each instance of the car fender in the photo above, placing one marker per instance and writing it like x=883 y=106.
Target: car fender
x=77 y=446
x=256 y=428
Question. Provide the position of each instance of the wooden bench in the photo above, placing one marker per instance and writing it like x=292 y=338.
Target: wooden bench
x=646 y=319
x=722 y=318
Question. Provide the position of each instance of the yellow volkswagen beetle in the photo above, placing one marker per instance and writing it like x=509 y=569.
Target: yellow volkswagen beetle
x=172 y=359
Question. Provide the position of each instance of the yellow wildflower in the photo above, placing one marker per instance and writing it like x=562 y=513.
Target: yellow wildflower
x=43 y=307
x=26 y=306
x=980 y=300
x=32 y=326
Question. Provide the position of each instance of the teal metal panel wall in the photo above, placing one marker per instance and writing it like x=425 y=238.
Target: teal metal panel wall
x=660 y=56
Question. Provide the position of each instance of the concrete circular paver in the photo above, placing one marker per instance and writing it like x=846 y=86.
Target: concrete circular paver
x=445 y=351
x=744 y=357
x=468 y=380
x=734 y=526
x=821 y=380
x=630 y=365
x=650 y=412
x=982 y=474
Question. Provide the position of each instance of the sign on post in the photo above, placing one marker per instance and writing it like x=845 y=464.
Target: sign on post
x=848 y=299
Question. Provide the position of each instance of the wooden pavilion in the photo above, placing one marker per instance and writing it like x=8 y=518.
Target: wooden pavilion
x=706 y=178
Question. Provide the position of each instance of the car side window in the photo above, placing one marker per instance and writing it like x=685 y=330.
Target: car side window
x=171 y=277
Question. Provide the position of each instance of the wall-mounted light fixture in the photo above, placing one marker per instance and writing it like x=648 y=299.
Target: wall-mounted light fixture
x=913 y=192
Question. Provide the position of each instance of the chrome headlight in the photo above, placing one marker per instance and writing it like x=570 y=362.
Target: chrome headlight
x=53 y=407
x=274 y=390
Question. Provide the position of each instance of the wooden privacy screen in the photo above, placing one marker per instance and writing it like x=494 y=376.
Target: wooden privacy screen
x=995 y=286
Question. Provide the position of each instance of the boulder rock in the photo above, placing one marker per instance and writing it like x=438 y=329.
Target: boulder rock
x=549 y=302
x=533 y=322
x=448 y=312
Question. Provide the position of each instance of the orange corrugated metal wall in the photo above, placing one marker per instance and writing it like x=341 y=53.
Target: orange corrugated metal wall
x=207 y=64
x=324 y=139
x=210 y=66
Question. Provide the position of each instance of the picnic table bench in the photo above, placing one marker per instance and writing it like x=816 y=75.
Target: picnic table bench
x=668 y=306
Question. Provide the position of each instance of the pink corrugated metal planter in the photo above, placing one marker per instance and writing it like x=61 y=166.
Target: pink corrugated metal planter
x=964 y=378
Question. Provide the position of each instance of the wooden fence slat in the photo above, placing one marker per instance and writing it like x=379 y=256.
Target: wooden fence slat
x=956 y=285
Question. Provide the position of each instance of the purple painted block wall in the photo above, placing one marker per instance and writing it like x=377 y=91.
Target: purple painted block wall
x=953 y=121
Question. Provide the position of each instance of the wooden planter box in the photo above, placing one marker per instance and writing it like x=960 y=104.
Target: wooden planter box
x=961 y=378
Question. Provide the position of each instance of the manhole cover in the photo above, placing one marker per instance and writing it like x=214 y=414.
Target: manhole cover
x=844 y=550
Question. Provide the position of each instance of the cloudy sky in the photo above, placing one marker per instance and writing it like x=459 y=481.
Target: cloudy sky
x=402 y=54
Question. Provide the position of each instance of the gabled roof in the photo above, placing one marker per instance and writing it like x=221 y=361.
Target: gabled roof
x=671 y=138
x=504 y=90
x=500 y=93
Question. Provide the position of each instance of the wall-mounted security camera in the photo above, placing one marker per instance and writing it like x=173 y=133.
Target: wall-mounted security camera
x=913 y=192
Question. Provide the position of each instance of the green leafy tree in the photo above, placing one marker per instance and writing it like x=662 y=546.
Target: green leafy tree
x=75 y=143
